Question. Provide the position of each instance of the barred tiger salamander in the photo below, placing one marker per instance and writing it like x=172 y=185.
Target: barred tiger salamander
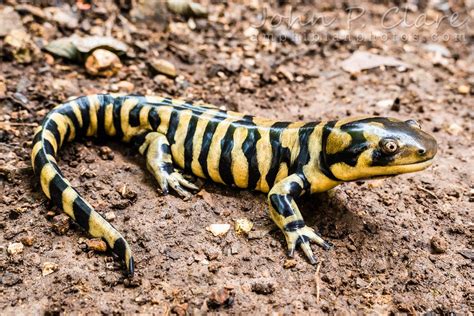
x=283 y=159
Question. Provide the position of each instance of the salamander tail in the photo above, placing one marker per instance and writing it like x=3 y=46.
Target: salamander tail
x=58 y=127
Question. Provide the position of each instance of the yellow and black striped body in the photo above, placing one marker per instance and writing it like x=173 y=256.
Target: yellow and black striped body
x=285 y=159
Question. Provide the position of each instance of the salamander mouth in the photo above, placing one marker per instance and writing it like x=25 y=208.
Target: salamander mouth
x=405 y=168
x=419 y=165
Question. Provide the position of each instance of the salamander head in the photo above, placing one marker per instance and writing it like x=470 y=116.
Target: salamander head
x=365 y=148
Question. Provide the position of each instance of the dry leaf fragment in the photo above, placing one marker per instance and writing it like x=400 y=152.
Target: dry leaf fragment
x=361 y=60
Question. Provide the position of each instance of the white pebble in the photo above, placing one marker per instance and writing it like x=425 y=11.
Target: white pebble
x=218 y=229
x=15 y=248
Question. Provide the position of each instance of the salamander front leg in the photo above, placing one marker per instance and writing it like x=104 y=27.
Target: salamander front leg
x=160 y=163
x=285 y=213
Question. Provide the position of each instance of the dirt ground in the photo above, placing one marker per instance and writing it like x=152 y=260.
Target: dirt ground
x=403 y=244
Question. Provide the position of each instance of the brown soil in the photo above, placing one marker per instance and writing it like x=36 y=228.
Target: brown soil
x=401 y=245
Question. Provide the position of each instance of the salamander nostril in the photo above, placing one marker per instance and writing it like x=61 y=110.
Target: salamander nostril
x=421 y=151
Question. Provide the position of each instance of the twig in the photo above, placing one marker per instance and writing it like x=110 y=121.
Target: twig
x=428 y=192
x=316 y=277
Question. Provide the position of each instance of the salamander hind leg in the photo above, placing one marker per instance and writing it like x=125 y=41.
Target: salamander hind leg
x=285 y=213
x=159 y=162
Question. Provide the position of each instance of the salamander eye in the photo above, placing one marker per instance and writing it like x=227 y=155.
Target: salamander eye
x=389 y=146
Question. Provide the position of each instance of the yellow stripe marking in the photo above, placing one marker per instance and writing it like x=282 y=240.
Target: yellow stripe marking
x=99 y=227
x=144 y=122
x=52 y=140
x=264 y=158
x=94 y=104
x=240 y=166
x=164 y=112
x=127 y=106
x=34 y=152
x=177 y=149
x=197 y=145
x=109 y=120
x=68 y=197
x=77 y=112
x=214 y=153
x=61 y=123
x=47 y=174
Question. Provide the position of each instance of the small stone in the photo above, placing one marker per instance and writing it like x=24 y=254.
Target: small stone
x=221 y=297
x=15 y=248
x=218 y=229
x=286 y=73
x=289 y=263
x=246 y=83
x=463 y=89
x=28 y=240
x=49 y=59
x=49 y=267
x=125 y=86
x=206 y=196
x=164 y=67
x=61 y=224
x=243 y=225
x=103 y=63
x=96 y=244
x=235 y=248
x=263 y=288
x=454 y=129
x=438 y=245
x=127 y=193
x=132 y=283
x=110 y=216
x=10 y=279
x=360 y=283
x=212 y=253
x=385 y=104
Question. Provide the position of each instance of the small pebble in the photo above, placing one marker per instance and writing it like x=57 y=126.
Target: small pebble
x=243 y=225
x=454 y=129
x=289 y=263
x=49 y=267
x=463 y=89
x=164 y=67
x=96 y=244
x=385 y=104
x=126 y=86
x=103 y=63
x=263 y=288
x=110 y=216
x=218 y=229
x=15 y=248
x=61 y=224
x=246 y=83
x=28 y=240
x=221 y=297
x=438 y=245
